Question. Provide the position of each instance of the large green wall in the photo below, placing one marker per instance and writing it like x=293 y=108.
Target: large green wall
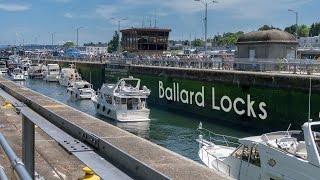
x=284 y=105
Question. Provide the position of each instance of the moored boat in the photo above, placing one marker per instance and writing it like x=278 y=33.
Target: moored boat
x=3 y=67
x=278 y=155
x=123 y=101
x=18 y=75
x=81 y=90
x=37 y=71
x=52 y=73
x=68 y=76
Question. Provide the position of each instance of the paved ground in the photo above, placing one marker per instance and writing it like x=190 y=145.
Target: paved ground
x=52 y=162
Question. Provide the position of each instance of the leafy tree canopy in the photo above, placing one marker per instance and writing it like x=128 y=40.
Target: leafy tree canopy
x=113 y=43
x=68 y=44
x=267 y=27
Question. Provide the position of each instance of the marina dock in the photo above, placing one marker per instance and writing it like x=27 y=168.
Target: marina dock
x=134 y=156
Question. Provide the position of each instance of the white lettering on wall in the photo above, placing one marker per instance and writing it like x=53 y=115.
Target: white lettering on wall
x=226 y=103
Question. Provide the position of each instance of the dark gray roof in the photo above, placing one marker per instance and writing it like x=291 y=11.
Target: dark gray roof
x=267 y=36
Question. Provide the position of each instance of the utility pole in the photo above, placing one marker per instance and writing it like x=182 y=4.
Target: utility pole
x=206 y=24
x=78 y=34
x=296 y=33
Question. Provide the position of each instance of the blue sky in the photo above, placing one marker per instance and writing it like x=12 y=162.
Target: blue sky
x=32 y=20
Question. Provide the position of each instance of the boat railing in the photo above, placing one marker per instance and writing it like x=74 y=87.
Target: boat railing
x=279 y=134
x=217 y=139
x=218 y=163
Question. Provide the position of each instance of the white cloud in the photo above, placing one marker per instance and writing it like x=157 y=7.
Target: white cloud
x=68 y=15
x=14 y=7
x=77 y=16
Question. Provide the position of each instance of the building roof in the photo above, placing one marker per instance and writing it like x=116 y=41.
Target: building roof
x=146 y=29
x=267 y=36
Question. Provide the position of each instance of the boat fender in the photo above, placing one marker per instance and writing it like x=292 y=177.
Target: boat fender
x=103 y=108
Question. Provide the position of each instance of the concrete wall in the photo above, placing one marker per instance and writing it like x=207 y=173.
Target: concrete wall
x=265 y=50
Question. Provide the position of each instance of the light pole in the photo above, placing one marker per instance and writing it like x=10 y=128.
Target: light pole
x=78 y=34
x=206 y=24
x=296 y=33
x=52 y=33
x=119 y=20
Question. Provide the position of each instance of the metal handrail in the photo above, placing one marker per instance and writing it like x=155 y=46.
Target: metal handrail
x=214 y=137
x=16 y=163
x=3 y=175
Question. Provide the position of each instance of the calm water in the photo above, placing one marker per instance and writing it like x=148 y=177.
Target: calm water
x=172 y=130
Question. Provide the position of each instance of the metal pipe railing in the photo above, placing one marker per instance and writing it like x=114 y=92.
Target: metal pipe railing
x=16 y=163
x=3 y=175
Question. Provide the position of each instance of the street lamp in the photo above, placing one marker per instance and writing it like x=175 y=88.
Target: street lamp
x=296 y=33
x=119 y=20
x=206 y=24
x=52 y=33
x=78 y=34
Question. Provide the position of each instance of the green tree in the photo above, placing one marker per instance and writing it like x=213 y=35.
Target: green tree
x=303 y=31
x=314 y=29
x=229 y=39
x=291 y=29
x=267 y=27
x=113 y=43
x=197 y=43
x=68 y=44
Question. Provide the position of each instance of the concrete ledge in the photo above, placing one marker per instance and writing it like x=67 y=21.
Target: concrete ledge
x=239 y=78
x=139 y=157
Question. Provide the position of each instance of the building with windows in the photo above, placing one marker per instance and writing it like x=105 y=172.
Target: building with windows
x=145 y=41
x=309 y=42
x=96 y=50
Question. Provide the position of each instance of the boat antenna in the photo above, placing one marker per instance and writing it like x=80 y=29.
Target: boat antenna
x=287 y=134
x=309 y=119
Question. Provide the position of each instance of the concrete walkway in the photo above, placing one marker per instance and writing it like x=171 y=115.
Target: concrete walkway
x=52 y=162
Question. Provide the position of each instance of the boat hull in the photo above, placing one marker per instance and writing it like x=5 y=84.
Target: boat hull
x=121 y=115
x=78 y=95
x=19 y=77
x=50 y=78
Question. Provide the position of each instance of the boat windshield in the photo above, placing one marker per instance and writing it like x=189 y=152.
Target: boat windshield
x=316 y=135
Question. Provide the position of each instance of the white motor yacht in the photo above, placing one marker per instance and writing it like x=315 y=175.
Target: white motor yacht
x=278 y=155
x=18 y=75
x=52 y=73
x=3 y=67
x=81 y=90
x=68 y=76
x=37 y=71
x=123 y=101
